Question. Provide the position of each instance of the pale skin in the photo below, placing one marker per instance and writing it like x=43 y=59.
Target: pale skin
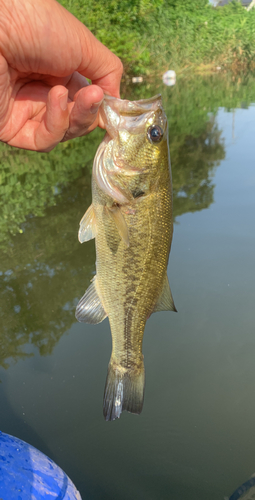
x=46 y=54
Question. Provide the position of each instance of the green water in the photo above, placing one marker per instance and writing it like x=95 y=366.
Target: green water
x=195 y=438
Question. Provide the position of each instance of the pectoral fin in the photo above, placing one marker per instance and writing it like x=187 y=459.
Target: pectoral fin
x=165 y=301
x=120 y=222
x=87 y=229
x=90 y=308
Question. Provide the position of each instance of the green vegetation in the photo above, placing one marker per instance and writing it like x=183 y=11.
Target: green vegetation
x=151 y=36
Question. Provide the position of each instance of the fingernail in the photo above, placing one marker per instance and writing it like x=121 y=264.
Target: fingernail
x=94 y=108
x=63 y=101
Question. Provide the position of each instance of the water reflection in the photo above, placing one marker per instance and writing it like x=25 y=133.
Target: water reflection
x=43 y=274
x=41 y=270
x=30 y=182
x=195 y=439
x=194 y=162
x=45 y=270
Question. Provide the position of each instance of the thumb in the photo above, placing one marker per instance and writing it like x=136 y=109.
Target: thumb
x=55 y=123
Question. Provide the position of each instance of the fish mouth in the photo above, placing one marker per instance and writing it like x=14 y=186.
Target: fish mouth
x=124 y=107
x=120 y=114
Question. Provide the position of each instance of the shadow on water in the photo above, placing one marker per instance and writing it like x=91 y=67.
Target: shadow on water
x=44 y=270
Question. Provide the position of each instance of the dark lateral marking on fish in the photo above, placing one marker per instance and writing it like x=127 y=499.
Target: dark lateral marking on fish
x=137 y=193
x=130 y=306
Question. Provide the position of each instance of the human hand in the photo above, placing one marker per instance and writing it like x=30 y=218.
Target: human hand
x=45 y=56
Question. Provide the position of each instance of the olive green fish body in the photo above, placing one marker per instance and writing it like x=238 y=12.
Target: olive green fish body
x=131 y=219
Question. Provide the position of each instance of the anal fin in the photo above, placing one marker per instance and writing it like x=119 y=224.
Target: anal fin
x=90 y=308
x=165 y=301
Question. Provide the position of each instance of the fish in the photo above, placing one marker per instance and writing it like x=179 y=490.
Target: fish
x=131 y=220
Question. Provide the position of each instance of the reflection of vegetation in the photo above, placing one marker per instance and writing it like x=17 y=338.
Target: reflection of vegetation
x=43 y=277
x=192 y=187
x=45 y=270
x=29 y=181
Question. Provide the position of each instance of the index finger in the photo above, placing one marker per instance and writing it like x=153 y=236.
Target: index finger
x=99 y=64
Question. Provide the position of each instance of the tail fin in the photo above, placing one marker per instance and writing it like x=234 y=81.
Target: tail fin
x=124 y=390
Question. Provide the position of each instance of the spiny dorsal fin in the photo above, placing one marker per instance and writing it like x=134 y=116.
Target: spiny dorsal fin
x=90 y=308
x=165 y=301
x=120 y=222
x=87 y=229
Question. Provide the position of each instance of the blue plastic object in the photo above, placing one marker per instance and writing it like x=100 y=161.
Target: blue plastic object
x=245 y=491
x=28 y=474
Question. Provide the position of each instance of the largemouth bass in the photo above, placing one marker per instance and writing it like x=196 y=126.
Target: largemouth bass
x=131 y=220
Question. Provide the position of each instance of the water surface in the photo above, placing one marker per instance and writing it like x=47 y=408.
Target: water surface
x=195 y=438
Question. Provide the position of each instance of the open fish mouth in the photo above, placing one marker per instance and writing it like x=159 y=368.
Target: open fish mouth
x=126 y=107
x=124 y=118
x=120 y=114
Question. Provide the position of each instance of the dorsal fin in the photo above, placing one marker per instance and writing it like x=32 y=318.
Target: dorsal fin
x=87 y=229
x=90 y=308
x=165 y=301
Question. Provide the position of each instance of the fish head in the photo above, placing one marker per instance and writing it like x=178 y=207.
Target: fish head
x=135 y=146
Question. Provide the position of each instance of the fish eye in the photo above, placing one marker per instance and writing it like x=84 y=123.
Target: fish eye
x=155 y=133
